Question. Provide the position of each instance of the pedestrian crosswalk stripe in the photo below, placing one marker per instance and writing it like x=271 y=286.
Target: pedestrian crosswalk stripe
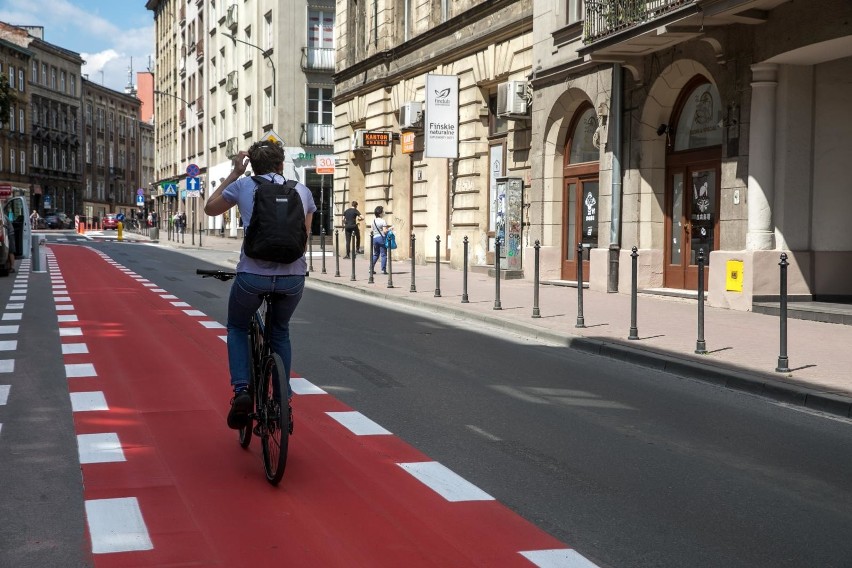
x=67 y=318
x=558 y=558
x=9 y=329
x=80 y=370
x=74 y=348
x=68 y=331
x=198 y=313
x=7 y=366
x=116 y=525
x=4 y=393
x=14 y=316
x=9 y=345
x=15 y=306
x=88 y=401
x=99 y=448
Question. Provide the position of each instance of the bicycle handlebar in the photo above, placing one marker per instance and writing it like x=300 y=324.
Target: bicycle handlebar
x=223 y=275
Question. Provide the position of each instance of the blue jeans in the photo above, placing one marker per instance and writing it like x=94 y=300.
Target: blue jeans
x=243 y=303
x=379 y=250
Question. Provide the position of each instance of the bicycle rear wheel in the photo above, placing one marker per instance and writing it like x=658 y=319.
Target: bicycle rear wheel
x=273 y=416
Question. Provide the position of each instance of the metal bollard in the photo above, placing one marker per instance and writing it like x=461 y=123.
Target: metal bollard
x=322 y=248
x=352 y=242
x=497 y=304
x=372 y=258
x=438 y=266
x=465 y=299
x=413 y=286
x=390 y=267
x=783 y=360
x=310 y=252
x=581 y=321
x=634 y=278
x=199 y=234
x=700 y=344
x=536 y=312
x=337 y=253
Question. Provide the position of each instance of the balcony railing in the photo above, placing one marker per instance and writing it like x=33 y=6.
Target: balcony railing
x=319 y=134
x=318 y=59
x=607 y=17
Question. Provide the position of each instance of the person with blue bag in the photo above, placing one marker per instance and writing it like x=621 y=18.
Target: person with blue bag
x=380 y=229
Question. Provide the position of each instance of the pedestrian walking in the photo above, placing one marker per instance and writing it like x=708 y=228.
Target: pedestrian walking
x=380 y=227
x=351 y=218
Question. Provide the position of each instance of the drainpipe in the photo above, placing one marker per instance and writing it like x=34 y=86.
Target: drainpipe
x=615 y=116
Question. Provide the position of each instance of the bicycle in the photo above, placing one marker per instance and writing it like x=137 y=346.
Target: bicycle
x=267 y=388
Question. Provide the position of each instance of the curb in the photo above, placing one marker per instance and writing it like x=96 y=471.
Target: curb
x=715 y=373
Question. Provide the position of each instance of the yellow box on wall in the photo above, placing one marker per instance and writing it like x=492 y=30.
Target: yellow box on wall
x=734 y=276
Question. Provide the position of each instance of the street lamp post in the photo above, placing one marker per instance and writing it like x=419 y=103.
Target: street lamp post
x=265 y=53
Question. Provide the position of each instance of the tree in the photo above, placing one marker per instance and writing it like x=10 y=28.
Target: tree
x=7 y=97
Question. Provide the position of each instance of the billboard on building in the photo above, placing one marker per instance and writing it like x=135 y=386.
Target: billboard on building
x=441 y=126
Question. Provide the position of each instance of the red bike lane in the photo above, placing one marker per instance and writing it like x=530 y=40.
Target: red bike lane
x=166 y=483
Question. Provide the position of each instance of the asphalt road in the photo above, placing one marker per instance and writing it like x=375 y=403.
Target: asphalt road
x=629 y=466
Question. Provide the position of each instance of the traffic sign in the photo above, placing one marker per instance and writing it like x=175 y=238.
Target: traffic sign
x=140 y=191
x=170 y=189
x=120 y=217
x=325 y=164
x=193 y=184
x=272 y=136
x=140 y=200
x=192 y=170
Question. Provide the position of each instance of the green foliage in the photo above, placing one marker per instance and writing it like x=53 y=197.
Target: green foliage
x=7 y=97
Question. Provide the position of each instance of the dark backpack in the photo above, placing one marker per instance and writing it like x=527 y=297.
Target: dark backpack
x=277 y=230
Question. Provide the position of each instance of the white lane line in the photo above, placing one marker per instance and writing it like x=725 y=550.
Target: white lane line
x=68 y=331
x=7 y=365
x=4 y=394
x=88 y=401
x=74 y=348
x=99 y=448
x=116 y=525
x=80 y=370
x=180 y=304
x=64 y=308
x=358 y=424
x=169 y=297
x=15 y=306
x=9 y=329
x=158 y=290
x=9 y=345
x=149 y=284
x=198 y=313
x=67 y=318
x=558 y=558
x=445 y=482
x=212 y=324
x=12 y=316
x=483 y=433
x=303 y=386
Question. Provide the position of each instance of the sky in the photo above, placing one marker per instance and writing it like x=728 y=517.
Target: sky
x=110 y=35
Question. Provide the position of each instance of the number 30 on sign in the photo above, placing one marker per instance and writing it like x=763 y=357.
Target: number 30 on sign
x=325 y=164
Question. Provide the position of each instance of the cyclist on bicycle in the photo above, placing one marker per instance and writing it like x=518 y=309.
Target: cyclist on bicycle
x=256 y=277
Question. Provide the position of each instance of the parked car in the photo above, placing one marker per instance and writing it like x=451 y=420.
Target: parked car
x=110 y=221
x=58 y=221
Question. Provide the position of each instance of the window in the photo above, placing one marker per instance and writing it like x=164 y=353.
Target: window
x=497 y=125
x=267 y=106
x=88 y=189
x=88 y=115
x=64 y=160
x=576 y=11
x=11 y=77
x=73 y=85
x=267 y=31
x=21 y=120
x=23 y=159
x=699 y=123
x=44 y=163
x=320 y=109
x=583 y=138
x=53 y=78
x=35 y=114
x=55 y=160
x=248 y=116
x=73 y=162
x=12 y=119
x=44 y=74
x=12 y=160
x=35 y=155
x=34 y=76
x=62 y=81
x=21 y=79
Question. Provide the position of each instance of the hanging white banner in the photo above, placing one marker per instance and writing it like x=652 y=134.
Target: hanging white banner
x=442 y=116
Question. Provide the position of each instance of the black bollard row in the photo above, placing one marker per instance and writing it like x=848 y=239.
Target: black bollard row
x=413 y=286
x=390 y=266
x=497 y=304
x=372 y=258
x=536 y=313
x=337 y=253
x=352 y=243
x=322 y=248
x=581 y=320
x=464 y=299
x=700 y=344
x=634 y=279
x=438 y=266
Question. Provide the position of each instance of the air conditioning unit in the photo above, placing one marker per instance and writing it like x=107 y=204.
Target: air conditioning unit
x=513 y=100
x=231 y=17
x=411 y=116
x=358 y=141
x=232 y=83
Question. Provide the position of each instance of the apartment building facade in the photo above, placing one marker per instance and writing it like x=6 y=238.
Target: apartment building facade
x=231 y=73
x=54 y=81
x=686 y=128
x=111 y=150
x=15 y=57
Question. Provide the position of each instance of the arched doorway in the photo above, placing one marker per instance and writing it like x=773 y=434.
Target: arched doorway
x=693 y=160
x=580 y=191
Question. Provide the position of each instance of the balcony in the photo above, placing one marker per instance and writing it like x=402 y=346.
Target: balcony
x=232 y=82
x=318 y=59
x=608 y=17
x=319 y=134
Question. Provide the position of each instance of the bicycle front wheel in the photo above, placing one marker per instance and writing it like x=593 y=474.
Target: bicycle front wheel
x=273 y=416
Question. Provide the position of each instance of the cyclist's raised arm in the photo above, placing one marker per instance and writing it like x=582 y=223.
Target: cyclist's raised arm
x=216 y=203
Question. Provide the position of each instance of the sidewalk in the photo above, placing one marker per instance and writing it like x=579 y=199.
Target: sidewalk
x=743 y=347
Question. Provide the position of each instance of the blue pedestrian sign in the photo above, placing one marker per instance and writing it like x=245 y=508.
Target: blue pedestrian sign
x=170 y=189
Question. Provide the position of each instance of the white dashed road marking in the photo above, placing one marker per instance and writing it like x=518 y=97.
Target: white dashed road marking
x=445 y=482
x=358 y=424
x=116 y=525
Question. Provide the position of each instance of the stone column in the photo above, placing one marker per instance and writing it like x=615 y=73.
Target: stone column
x=761 y=149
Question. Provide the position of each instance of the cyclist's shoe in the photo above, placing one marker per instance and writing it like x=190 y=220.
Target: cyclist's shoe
x=240 y=410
